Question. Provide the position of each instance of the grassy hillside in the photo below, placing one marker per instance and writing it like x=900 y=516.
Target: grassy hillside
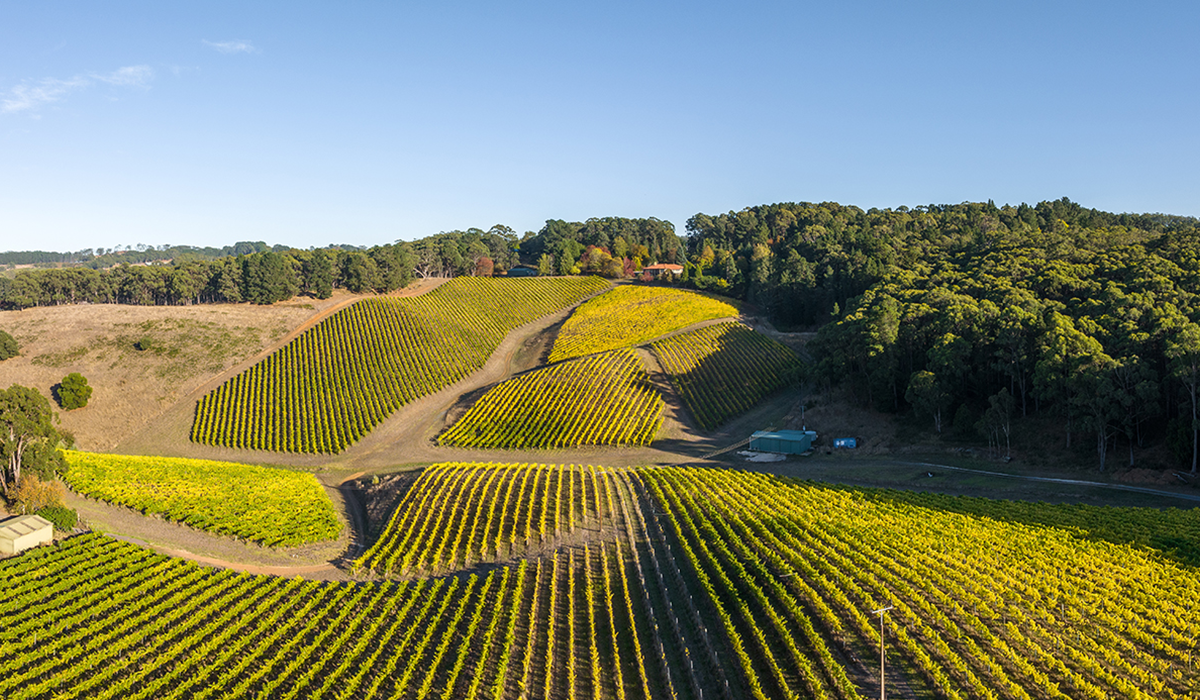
x=185 y=346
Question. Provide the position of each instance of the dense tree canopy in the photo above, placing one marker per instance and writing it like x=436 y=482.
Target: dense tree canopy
x=1071 y=311
x=642 y=241
x=453 y=253
x=258 y=277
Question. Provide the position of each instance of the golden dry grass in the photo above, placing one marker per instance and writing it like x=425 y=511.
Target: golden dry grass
x=188 y=345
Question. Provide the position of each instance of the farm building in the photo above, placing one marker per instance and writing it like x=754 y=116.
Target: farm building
x=663 y=270
x=791 y=442
x=522 y=271
x=21 y=533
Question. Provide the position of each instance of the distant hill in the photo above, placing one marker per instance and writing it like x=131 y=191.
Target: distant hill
x=101 y=258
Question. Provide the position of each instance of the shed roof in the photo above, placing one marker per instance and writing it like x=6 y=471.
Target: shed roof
x=785 y=434
x=20 y=526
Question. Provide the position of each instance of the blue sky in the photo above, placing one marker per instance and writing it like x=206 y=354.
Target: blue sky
x=369 y=122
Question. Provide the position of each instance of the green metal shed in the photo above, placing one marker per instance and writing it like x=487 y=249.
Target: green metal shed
x=791 y=442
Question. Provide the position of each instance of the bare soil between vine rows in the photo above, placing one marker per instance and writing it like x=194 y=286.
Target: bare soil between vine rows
x=405 y=442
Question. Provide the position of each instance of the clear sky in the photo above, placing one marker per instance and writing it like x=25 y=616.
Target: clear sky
x=206 y=123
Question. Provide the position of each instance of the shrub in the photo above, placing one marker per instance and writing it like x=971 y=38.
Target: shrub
x=63 y=518
x=8 y=346
x=74 y=391
x=33 y=494
x=143 y=344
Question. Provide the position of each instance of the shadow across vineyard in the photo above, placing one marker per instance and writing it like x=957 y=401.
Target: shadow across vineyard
x=507 y=580
x=980 y=606
x=1173 y=532
x=724 y=370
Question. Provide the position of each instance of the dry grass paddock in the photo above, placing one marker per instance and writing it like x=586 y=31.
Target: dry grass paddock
x=182 y=346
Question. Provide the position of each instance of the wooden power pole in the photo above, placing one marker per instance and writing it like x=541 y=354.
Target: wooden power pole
x=882 y=654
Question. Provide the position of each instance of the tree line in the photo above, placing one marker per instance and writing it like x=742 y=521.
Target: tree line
x=973 y=314
x=970 y=314
x=257 y=273
x=252 y=272
x=602 y=246
x=260 y=278
x=101 y=258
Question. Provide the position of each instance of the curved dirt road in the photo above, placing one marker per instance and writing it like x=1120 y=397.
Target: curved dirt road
x=1069 y=482
x=404 y=437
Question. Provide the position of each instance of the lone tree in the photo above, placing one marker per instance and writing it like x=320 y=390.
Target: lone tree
x=26 y=430
x=8 y=346
x=74 y=391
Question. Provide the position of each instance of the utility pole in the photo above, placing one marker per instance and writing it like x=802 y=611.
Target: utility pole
x=882 y=656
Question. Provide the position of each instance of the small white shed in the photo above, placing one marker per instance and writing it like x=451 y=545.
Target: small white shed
x=21 y=533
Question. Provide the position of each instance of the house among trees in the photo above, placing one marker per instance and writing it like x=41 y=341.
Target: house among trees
x=24 y=532
x=661 y=270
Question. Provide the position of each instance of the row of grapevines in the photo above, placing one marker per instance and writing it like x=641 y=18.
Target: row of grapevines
x=272 y=506
x=93 y=617
x=723 y=370
x=631 y=315
x=783 y=573
x=335 y=382
x=1174 y=531
x=459 y=513
x=605 y=399
x=982 y=607
x=769 y=633
x=687 y=629
x=646 y=584
x=596 y=649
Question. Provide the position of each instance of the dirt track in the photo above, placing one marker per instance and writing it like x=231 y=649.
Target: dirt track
x=178 y=540
x=405 y=438
x=168 y=434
